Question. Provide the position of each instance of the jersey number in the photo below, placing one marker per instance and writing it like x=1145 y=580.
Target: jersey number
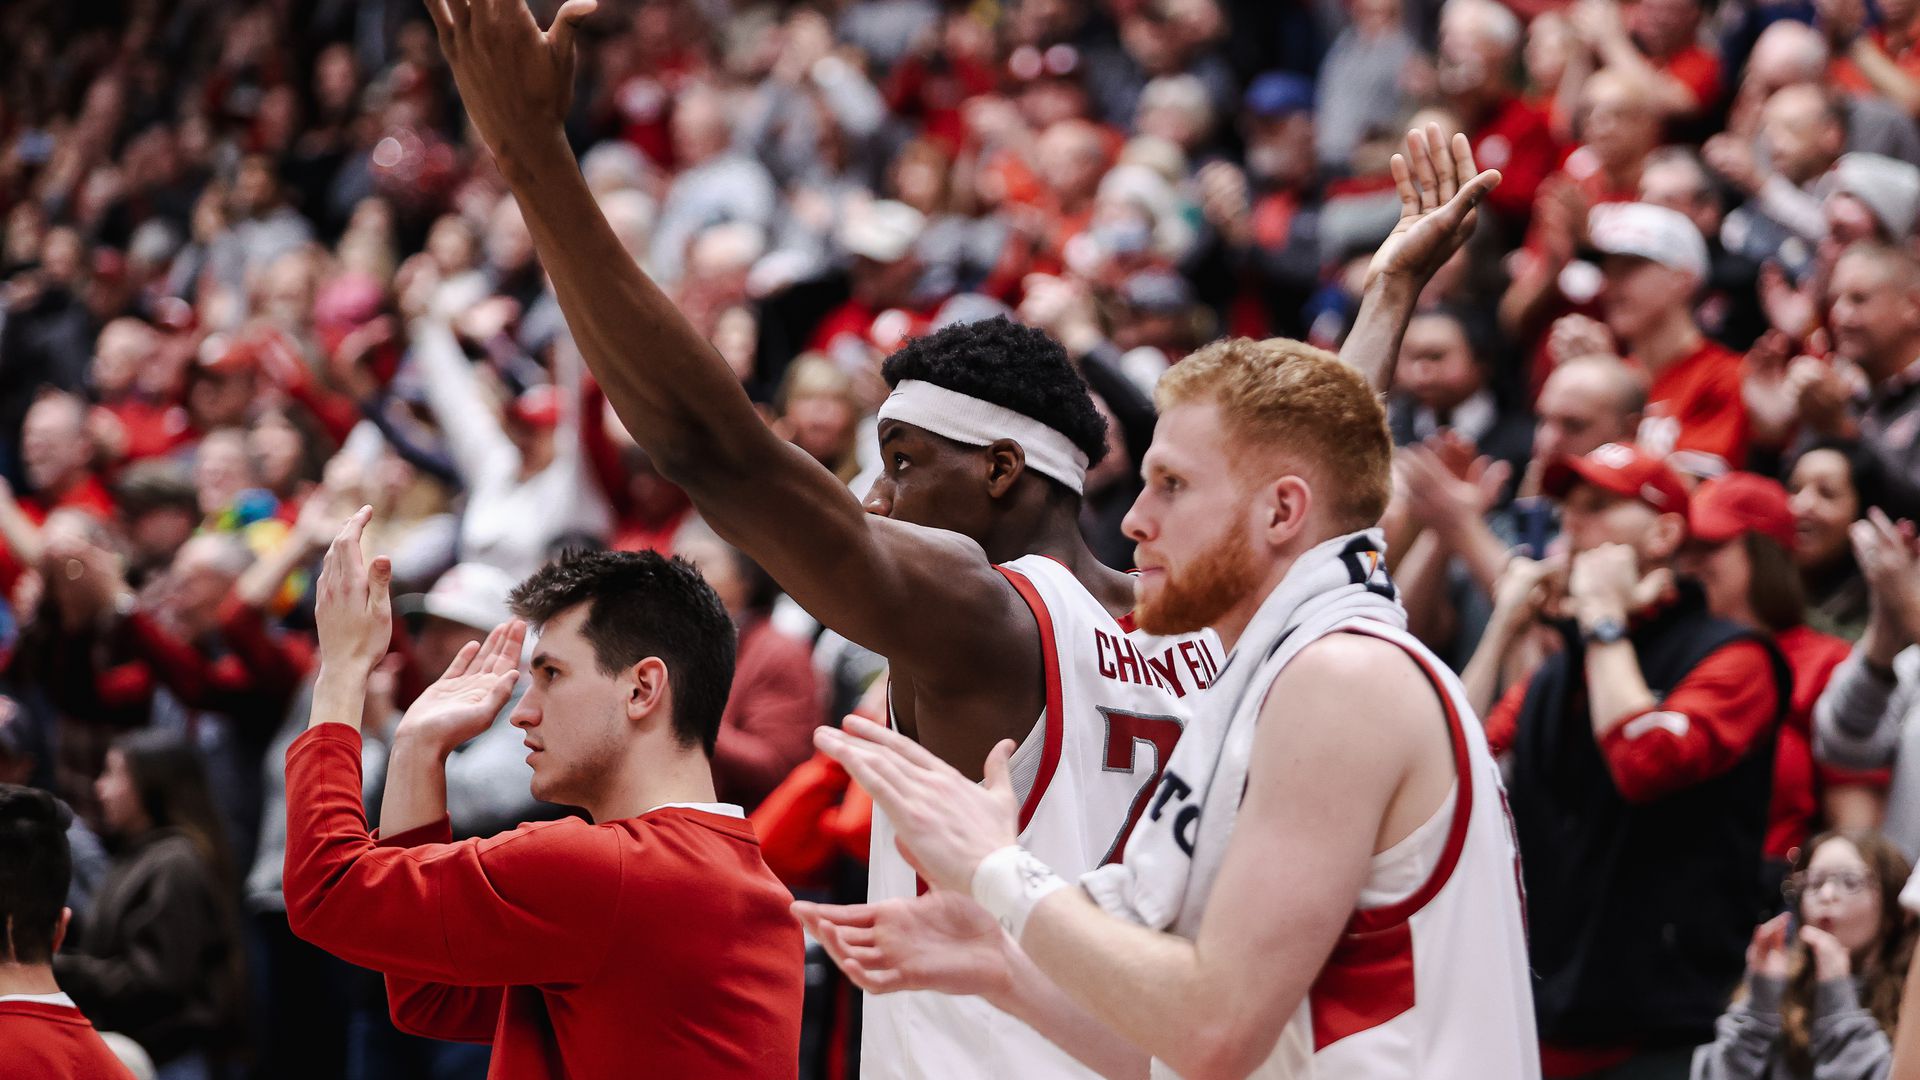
x=1125 y=732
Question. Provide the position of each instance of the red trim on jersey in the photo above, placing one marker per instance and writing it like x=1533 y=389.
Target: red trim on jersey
x=1055 y=715
x=1367 y=981
x=1374 y=919
x=1126 y=623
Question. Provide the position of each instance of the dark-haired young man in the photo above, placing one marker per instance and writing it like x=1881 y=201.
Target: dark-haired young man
x=649 y=941
x=42 y=1034
x=966 y=567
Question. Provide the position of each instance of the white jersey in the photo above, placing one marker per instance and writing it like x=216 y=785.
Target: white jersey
x=1117 y=701
x=1429 y=978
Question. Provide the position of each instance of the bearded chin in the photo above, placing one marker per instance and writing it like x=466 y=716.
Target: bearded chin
x=1196 y=596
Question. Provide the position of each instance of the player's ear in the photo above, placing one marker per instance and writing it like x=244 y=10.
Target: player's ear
x=646 y=688
x=1006 y=461
x=1283 y=504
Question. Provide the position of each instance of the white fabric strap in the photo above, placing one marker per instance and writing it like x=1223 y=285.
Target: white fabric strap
x=1909 y=896
x=1010 y=882
x=969 y=420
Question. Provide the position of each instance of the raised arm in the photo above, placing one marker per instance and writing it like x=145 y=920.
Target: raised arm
x=1439 y=191
x=916 y=595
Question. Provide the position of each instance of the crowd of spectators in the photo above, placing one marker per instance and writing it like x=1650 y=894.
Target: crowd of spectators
x=1659 y=426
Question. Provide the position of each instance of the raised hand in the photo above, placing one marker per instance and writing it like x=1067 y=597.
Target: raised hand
x=472 y=691
x=1440 y=495
x=1767 y=954
x=945 y=823
x=1830 y=958
x=1772 y=403
x=353 y=613
x=515 y=80
x=1888 y=561
x=1575 y=336
x=940 y=941
x=1440 y=190
x=1792 y=311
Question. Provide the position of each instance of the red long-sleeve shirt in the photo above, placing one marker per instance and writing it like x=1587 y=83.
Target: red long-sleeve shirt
x=1704 y=727
x=655 y=946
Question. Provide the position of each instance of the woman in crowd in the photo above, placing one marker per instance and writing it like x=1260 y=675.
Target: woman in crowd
x=1833 y=484
x=1741 y=533
x=1821 y=1001
x=159 y=958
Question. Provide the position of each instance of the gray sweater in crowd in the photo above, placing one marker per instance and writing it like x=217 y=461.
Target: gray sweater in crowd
x=1863 y=721
x=1846 y=1041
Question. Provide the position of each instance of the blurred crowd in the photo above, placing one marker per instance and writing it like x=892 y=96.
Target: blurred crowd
x=257 y=271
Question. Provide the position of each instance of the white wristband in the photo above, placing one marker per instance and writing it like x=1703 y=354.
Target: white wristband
x=1010 y=882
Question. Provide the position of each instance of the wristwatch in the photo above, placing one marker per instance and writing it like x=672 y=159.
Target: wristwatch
x=1605 y=632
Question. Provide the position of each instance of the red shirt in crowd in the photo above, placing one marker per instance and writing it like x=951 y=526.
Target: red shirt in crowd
x=767 y=728
x=89 y=496
x=658 y=945
x=1697 y=69
x=40 y=1039
x=1516 y=140
x=1703 y=727
x=1695 y=407
x=1812 y=657
x=1846 y=75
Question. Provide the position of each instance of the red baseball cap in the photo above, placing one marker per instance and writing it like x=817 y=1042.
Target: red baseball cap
x=1737 y=503
x=1623 y=469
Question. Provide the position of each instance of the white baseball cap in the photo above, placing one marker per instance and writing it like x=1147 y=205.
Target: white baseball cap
x=471 y=594
x=883 y=231
x=1656 y=233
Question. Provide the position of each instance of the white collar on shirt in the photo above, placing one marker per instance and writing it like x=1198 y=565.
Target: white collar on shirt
x=1472 y=418
x=724 y=809
x=40 y=999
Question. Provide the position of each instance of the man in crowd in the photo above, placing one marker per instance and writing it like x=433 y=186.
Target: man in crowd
x=1642 y=766
x=1874 y=318
x=1655 y=262
x=652 y=936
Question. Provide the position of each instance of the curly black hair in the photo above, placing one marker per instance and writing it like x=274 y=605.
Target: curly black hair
x=641 y=604
x=1013 y=366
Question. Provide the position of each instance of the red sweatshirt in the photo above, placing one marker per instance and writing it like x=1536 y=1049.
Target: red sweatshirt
x=40 y=1040
x=654 y=946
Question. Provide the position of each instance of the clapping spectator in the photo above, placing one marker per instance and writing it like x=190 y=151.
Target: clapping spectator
x=1862 y=721
x=1823 y=984
x=1740 y=540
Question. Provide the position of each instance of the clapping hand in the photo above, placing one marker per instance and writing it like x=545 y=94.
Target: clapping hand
x=941 y=941
x=945 y=823
x=1889 y=559
x=1767 y=954
x=353 y=612
x=469 y=694
x=1772 y=402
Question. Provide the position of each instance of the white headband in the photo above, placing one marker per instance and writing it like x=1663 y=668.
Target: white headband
x=975 y=422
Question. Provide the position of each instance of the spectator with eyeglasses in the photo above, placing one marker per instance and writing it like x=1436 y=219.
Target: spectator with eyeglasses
x=1823 y=984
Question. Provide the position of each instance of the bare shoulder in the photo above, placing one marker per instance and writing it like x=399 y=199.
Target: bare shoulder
x=1356 y=684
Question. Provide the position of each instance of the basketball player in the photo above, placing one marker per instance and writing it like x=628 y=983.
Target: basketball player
x=1325 y=883
x=967 y=559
